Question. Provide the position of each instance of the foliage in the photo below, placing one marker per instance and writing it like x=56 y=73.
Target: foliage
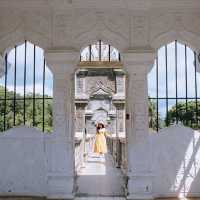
x=189 y=117
x=153 y=116
x=7 y=110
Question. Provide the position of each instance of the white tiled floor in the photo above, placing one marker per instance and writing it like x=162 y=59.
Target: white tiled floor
x=100 y=178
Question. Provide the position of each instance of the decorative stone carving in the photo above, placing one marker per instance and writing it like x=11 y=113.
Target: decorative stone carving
x=120 y=82
x=54 y=25
x=117 y=23
x=97 y=83
x=37 y=21
x=140 y=31
x=121 y=120
x=80 y=117
x=100 y=26
x=80 y=85
x=62 y=35
x=7 y=24
x=101 y=87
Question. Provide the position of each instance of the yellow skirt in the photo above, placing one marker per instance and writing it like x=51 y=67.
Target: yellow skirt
x=100 y=143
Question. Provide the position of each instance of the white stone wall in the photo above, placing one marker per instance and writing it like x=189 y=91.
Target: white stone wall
x=28 y=159
x=75 y=24
x=23 y=163
x=176 y=162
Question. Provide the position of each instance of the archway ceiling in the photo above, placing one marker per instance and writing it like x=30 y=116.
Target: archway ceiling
x=73 y=24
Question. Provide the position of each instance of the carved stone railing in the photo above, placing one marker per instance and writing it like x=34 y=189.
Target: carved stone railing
x=83 y=146
x=117 y=148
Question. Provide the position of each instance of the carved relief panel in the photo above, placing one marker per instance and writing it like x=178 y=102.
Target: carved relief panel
x=101 y=87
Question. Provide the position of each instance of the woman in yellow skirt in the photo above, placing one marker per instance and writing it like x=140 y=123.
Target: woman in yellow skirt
x=100 y=145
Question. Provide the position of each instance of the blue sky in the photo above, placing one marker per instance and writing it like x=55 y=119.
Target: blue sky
x=151 y=75
x=29 y=75
x=181 y=81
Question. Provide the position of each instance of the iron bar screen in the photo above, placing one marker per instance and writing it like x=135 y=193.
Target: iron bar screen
x=26 y=89
x=100 y=52
x=173 y=88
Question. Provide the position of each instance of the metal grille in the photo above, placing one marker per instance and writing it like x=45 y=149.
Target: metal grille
x=23 y=96
x=100 y=52
x=173 y=88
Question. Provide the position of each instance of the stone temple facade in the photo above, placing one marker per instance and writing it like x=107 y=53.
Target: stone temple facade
x=158 y=165
x=100 y=97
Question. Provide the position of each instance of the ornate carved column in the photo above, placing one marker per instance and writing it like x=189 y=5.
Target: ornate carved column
x=119 y=101
x=81 y=101
x=137 y=66
x=61 y=143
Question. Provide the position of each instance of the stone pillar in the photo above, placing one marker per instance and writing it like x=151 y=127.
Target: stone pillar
x=80 y=119
x=80 y=84
x=120 y=120
x=81 y=100
x=137 y=66
x=61 y=144
x=119 y=101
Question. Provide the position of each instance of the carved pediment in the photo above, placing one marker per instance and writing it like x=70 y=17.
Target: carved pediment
x=101 y=91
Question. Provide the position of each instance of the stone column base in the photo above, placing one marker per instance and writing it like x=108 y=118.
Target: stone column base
x=140 y=187
x=135 y=196
x=60 y=186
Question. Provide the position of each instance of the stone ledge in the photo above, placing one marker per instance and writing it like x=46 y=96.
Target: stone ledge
x=100 y=64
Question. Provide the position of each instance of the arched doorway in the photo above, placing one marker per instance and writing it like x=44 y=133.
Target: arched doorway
x=99 y=98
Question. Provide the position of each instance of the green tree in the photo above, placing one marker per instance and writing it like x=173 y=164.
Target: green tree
x=188 y=116
x=153 y=116
x=7 y=110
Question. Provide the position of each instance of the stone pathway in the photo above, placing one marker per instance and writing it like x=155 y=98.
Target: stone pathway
x=100 y=178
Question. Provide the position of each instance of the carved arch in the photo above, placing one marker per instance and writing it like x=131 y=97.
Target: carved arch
x=89 y=37
x=190 y=39
x=19 y=35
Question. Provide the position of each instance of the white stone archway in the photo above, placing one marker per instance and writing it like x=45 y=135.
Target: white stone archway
x=190 y=39
x=19 y=35
x=136 y=29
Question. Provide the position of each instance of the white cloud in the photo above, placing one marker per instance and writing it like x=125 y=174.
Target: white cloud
x=29 y=89
x=171 y=75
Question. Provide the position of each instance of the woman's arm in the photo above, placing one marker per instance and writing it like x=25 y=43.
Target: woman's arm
x=107 y=134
